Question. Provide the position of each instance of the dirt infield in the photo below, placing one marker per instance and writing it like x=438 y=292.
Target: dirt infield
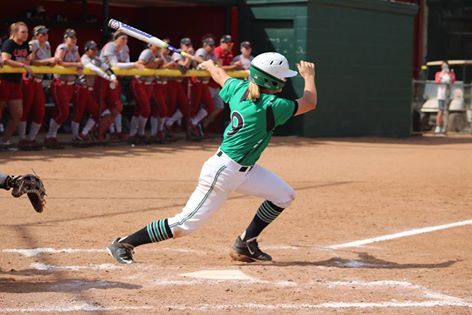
x=347 y=190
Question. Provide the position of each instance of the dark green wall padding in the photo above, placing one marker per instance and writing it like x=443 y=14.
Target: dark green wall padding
x=363 y=54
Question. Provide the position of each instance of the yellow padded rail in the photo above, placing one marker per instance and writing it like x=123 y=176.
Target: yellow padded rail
x=122 y=72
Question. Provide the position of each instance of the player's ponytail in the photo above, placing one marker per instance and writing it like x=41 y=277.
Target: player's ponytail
x=15 y=27
x=253 y=91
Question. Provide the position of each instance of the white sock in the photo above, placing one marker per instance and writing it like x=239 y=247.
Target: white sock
x=22 y=129
x=118 y=127
x=133 y=126
x=88 y=126
x=112 y=128
x=154 y=125
x=74 y=126
x=106 y=112
x=162 y=121
x=53 y=127
x=142 y=125
x=202 y=113
x=34 y=129
x=177 y=115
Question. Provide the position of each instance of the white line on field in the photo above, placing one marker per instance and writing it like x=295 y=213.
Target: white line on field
x=72 y=308
x=251 y=306
x=47 y=267
x=30 y=252
x=328 y=305
x=401 y=234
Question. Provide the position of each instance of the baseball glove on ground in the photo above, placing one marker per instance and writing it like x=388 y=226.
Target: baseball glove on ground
x=33 y=187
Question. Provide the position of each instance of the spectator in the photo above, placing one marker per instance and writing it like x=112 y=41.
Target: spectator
x=142 y=90
x=243 y=61
x=15 y=53
x=443 y=78
x=33 y=94
x=176 y=88
x=115 y=55
x=63 y=86
x=85 y=100
x=201 y=94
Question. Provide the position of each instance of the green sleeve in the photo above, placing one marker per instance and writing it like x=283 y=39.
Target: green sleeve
x=229 y=89
x=283 y=110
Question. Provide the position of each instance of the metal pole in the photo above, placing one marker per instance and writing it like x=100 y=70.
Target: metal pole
x=106 y=17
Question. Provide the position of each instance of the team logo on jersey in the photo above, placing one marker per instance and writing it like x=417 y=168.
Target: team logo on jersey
x=237 y=123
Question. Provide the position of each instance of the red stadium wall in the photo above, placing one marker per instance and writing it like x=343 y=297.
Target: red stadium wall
x=171 y=22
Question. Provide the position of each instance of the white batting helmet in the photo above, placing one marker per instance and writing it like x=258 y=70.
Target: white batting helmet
x=270 y=70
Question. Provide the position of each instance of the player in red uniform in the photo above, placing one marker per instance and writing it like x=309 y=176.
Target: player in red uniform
x=63 y=86
x=33 y=94
x=15 y=53
x=112 y=54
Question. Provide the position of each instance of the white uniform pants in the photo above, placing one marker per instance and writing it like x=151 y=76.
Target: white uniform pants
x=220 y=176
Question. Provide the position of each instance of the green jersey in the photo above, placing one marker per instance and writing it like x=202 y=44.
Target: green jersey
x=252 y=122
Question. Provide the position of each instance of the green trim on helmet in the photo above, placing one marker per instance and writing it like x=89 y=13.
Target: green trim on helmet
x=262 y=78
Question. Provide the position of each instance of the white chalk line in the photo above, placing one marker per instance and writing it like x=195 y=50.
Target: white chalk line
x=328 y=305
x=250 y=306
x=30 y=252
x=87 y=307
x=48 y=267
x=401 y=234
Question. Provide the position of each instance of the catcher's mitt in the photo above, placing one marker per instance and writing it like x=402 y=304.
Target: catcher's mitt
x=33 y=187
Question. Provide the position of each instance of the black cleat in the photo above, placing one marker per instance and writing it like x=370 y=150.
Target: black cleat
x=122 y=252
x=248 y=251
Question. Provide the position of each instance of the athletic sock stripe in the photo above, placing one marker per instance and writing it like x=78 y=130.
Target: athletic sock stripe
x=151 y=235
x=162 y=230
x=155 y=231
x=273 y=208
x=262 y=216
x=221 y=169
x=268 y=213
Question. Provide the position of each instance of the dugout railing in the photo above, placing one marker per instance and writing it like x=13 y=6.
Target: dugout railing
x=124 y=75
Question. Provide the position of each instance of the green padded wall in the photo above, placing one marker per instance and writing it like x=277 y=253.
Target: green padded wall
x=363 y=50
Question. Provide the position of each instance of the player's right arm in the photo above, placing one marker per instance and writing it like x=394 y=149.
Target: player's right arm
x=310 y=97
x=218 y=74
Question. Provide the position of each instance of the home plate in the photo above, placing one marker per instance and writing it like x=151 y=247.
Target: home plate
x=229 y=274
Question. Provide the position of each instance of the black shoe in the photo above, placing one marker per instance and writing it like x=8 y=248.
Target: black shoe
x=201 y=130
x=122 y=252
x=248 y=251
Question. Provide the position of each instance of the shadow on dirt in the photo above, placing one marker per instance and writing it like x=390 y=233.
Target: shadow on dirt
x=365 y=261
x=10 y=285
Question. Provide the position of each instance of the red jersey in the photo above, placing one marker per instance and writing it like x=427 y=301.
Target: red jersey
x=227 y=56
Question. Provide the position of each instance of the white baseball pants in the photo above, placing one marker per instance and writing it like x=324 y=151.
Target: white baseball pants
x=219 y=177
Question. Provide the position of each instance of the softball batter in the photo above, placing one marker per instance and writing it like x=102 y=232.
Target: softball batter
x=255 y=112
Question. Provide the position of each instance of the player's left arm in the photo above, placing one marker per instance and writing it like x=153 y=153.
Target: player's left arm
x=310 y=96
x=218 y=74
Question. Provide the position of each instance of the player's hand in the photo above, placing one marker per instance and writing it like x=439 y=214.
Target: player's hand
x=306 y=69
x=207 y=64
x=139 y=66
x=28 y=69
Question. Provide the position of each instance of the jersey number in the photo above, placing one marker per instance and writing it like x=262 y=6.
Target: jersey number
x=237 y=122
